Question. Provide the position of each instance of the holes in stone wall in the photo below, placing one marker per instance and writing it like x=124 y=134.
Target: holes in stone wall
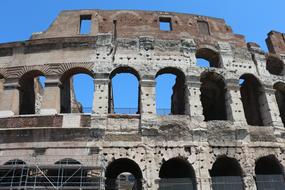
x=123 y=166
x=165 y=24
x=77 y=89
x=253 y=100
x=274 y=65
x=280 y=98
x=31 y=92
x=208 y=58
x=170 y=92
x=124 y=91
x=213 y=96
x=85 y=24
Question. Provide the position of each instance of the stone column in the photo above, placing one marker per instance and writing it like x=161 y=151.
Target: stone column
x=193 y=91
x=226 y=55
x=235 y=111
x=51 y=98
x=269 y=110
x=147 y=96
x=101 y=94
x=10 y=99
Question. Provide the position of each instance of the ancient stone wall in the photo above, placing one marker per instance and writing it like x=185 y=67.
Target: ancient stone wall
x=232 y=110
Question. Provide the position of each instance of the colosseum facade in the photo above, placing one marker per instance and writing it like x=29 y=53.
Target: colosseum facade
x=225 y=129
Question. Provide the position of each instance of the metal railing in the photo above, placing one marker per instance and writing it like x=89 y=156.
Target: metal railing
x=177 y=184
x=264 y=182
x=227 y=182
x=163 y=111
x=127 y=111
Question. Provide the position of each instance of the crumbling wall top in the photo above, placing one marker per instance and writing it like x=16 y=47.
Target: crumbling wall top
x=129 y=24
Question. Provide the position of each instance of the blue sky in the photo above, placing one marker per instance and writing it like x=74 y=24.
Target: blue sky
x=252 y=18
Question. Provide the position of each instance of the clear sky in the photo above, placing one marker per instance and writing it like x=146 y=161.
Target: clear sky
x=252 y=18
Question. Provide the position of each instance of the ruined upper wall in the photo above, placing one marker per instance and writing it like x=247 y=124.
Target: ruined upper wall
x=130 y=24
x=276 y=42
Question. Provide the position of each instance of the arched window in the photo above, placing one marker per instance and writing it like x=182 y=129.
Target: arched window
x=77 y=89
x=254 y=101
x=226 y=173
x=213 y=96
x=208 y=58
x=269 y=173
x=13 y=173
x=170 y=92
x=69 y=172
x=31 y=92
x=124 y=91
x=280 y=98
x=274 y=65
x=177 y=173
x=123 y=166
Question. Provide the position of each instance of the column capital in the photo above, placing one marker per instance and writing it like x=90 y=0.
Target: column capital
x=11 y=83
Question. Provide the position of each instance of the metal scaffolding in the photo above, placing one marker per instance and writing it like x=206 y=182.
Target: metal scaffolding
x=64 y=174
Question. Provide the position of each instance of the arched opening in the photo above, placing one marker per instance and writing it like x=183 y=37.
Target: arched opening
x=253 y=100
x=226 y=173
x=119 y=167
x=269 y=173
x=13 y=173
x=213 y=96
x=77 y=89
x=31 y=92
x=274 y=65
x=177 y=173
x=170 y=92
x=280 y=98
x=66 y=173
x=124 y=91
x=208 y=58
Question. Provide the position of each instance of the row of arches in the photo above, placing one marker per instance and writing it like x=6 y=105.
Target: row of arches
x=175 y=173
x=122 y=89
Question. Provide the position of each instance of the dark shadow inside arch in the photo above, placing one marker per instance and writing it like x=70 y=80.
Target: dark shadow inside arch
x=213 y=96
x=253 y=100
x=177 y=173
x=120 y=166
x=280 y=98
x=31 y=92
x=208 y=58
x=226 y=173
x=76 y=92
x=124 y=91
x=13 y=173
x=269 y=173
x=175 y=105
x=274 y=65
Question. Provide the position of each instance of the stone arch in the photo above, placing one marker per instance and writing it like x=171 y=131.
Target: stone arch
x=13 y=173
x=226 y=173
x=68 y=101
x=67 y=170
x=134 y=77
x=269 y=173
x=254 y=101
x=280 y=98
x=119 y=166
x=30 y=92
x=210 y=55
x=213 y=96
x=178 y=97
x=274 y=65
x=177 y=173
